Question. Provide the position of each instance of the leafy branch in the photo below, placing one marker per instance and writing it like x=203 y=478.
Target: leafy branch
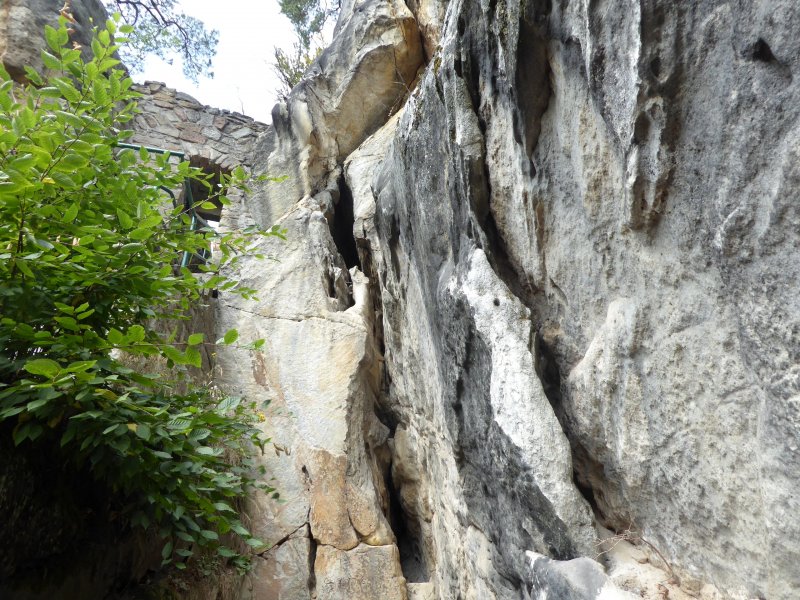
x=89 y=264
x=160 y=29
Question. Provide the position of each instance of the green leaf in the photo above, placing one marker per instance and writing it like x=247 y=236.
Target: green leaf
x=193 y=357
x=223 y=507
x=141 y=233
x=67 y=323
x=121 y=444
x=124 y=219
x=23 y=267
x=32 y=406
x=50 y=61
x=51 y=36
x=43 y=366
x=199 y=434
x=99 y=93
x=70 y=214
x=73 y=161
x=174 y=355
x=143 y=431
x=68 y=90
x=229 y=403
x=208 y=451
x=63 y=179
x=152 y=221
x=166 y=551
x=230 y=336
x=81 y=366
x=209 y=535
x=136 y=333
x=195 y=338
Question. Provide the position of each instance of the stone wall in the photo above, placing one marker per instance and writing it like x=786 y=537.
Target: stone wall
x=175 y=121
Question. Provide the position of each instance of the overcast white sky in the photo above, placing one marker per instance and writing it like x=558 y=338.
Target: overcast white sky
x=243 y=77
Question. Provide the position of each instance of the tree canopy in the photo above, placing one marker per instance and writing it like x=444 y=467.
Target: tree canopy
x=160 y=29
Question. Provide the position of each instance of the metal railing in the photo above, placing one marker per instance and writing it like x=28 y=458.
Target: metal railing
x=188 y=199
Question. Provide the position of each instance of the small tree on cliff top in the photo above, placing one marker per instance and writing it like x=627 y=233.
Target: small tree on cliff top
x=88 y=258
x=308 y=18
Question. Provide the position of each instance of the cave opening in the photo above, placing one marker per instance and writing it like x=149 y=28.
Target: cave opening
x=409 y=537
x=342 y=226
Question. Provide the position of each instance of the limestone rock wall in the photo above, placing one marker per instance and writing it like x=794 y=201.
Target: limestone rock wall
x=332 y=535
x=584 y=227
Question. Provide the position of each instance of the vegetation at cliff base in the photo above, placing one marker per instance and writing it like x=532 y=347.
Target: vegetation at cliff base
x=90 y=261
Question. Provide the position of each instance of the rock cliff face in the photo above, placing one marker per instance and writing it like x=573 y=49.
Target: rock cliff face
x=537 y=306
x=581 y=238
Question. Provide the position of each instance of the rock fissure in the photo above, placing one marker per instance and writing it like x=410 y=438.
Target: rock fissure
x=331 y=317
x=342 y=226
x=275 y=545
x=407 y=532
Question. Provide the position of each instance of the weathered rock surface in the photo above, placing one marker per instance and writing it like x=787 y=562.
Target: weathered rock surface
x=363 y=572
x=627 y=172
x=321 y=367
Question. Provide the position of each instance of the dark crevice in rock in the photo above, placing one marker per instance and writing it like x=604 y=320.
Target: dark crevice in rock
x=342 y=226
x=312 y=576
x=589 y=475
x=382 y=408
x=369 y=269
x=760 y=51
x=384 y=411
x=586 y=471
x=533 y=90
x=516 y=281
x=285 y=538
x=408 y=536
x=550 y=376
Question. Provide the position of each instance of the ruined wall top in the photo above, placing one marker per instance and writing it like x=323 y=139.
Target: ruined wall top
x=175 y=121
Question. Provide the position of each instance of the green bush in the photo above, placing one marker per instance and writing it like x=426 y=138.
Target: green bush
x=89 y=259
